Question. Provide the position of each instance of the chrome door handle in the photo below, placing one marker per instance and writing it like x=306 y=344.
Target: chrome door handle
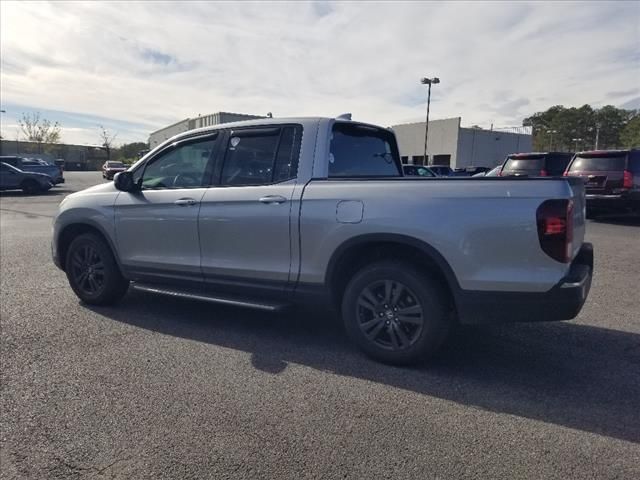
x=272 y=199
x=184 y=202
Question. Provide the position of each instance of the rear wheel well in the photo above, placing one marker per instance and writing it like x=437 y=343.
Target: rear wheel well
x=357 y=256
x=69 y=233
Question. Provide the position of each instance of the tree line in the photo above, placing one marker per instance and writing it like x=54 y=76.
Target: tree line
x=584 y=128
x=45 y=133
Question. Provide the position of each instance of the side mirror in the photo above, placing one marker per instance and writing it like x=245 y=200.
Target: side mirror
x=124 y=181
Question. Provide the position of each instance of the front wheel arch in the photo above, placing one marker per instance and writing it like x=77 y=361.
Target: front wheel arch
x=71 y=231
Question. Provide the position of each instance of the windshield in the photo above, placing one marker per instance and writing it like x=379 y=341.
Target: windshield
x=115 y=164
x=598 y=164
x=526 y=163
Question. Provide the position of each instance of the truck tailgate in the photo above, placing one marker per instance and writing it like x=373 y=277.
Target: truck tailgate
x=579 y=211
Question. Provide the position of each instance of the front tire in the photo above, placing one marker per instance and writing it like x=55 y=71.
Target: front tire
x=92 y=271
x=395 y=313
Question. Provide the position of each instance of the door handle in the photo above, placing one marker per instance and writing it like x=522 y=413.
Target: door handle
x=184 y=202
x=272 y=199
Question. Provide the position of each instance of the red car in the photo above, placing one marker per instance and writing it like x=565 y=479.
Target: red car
x=612 y=179
x=110 y=168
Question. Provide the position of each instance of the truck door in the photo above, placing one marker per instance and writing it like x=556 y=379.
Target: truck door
x=246 y=216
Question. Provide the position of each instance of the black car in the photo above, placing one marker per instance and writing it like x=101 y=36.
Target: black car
x=612 y=179
x=537 y=164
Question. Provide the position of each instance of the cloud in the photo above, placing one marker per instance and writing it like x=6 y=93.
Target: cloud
x=137 y=64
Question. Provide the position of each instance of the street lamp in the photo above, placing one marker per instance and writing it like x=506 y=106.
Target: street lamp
x=576 y=140
x=1 y=111
x=428 y=81
x=551 y=138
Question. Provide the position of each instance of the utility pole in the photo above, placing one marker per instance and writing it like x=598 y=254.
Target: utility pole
x=598 y=125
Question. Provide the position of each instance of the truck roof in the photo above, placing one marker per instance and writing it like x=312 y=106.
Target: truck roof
x=263 y=122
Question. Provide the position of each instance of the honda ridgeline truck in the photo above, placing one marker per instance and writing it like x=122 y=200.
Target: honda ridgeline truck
x=275 y=212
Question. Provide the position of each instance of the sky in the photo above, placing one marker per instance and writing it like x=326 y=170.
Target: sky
x=137 y=67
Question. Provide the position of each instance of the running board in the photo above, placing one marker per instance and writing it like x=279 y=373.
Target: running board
x=205 y=297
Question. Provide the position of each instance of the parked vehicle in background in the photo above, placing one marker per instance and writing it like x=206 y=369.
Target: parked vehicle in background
x=494 y=172
x=543 y=164
x=110 y=168
x=35 y=166
x=612 y=179
x=441 y=170
x=316 y=211
x=59 y=162
x=12 y=178
x=470 y=171
x=417 y=171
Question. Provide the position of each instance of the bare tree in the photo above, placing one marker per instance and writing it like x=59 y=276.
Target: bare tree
x=39 y=130
x=107 y=139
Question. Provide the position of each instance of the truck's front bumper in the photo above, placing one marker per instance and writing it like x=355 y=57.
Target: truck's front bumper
x=563 y=302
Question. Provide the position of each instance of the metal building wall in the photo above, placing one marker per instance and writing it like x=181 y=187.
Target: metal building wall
x=486 y=148
x=443 y=138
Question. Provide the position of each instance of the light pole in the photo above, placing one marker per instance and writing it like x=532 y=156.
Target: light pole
x=598 y=125
x=1 y=111
x=576 y=140
x=551 y=138
x=428 y=81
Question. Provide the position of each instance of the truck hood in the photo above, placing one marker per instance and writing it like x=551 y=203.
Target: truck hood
x=100 y=188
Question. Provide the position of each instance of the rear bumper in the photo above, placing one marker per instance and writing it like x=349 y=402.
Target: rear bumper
x=609 y=202
x=563 y=302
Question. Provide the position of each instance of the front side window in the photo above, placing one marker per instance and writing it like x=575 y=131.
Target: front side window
x=362 y=151
x=187 y=165
x=261 y=156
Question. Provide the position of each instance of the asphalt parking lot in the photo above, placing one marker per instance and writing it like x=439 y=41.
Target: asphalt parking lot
x=165 y=388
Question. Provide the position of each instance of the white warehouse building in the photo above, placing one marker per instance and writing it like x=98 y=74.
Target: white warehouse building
x=459 y=147
x=165 y=133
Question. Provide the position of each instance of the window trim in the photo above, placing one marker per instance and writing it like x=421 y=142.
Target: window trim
x=263 y=131
x=215 y=136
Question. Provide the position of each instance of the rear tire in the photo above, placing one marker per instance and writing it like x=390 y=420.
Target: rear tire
x=395 y=313
x=92 y=271
x=30 y=187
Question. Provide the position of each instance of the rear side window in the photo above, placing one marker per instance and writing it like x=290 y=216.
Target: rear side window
x=598 y=163
x=362 y=151
x=525 y=163
x=262 y=156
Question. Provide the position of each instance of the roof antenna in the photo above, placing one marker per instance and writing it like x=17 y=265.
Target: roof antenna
x=344 y=116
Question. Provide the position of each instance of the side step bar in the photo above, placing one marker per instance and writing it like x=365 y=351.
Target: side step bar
x=205 y=297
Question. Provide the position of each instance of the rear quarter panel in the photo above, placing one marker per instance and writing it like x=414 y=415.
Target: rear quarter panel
x=484 y=228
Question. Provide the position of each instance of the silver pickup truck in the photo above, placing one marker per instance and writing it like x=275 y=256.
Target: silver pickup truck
x=316 y=211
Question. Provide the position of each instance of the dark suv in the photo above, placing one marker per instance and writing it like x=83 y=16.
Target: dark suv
x=541 y=164
x=612 y=179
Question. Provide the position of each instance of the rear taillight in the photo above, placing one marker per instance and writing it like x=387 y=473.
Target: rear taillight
x=543 y=173
x=555 y=229
x=627 y=179
x=565 y=174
